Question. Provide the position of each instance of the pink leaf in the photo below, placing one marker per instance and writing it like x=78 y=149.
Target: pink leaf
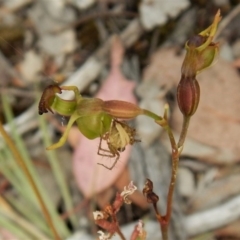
x=92 y=178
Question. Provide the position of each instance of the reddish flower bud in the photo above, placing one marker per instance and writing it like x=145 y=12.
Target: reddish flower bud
x=121 y=109
x=148 y=192
x=188 y=94
x=201 y=52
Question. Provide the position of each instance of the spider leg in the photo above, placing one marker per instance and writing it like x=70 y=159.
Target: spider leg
x=111 y=151
x=104 y=152
x=113 y=165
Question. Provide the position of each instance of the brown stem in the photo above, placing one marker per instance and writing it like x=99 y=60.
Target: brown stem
x=21 y=163
x=186 y=121
x=171 y=138
x=120 y=234
x=118 y=231
x=158 y=214
x=164 y=230
x=175 y=160
x=176 y=151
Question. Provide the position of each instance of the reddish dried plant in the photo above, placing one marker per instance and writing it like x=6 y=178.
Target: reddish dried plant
x=107 y=218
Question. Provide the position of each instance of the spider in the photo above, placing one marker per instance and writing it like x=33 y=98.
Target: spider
x=117 y=138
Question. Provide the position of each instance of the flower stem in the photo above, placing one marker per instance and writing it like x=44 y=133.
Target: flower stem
x=152 y=115
x=21 y=163
x=186 y=121
x=175 y=160
x=164 y=230
x=176 y=151
x=120 y=234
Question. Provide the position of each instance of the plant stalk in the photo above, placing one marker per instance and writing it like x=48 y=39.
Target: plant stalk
x=164 y=230
x=186 y=122
x=21 y=163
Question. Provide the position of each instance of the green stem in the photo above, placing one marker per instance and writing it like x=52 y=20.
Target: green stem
x=7 y=211
x=11 y=227
x=20 y=146
x=152 y=115
x=163 y=123
x=21 y=163
x=171 y=138
x=57 y=171
x=30 y=213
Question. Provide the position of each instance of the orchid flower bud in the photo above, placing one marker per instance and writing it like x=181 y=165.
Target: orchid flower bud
x=201 y=52
x=151 y=196
x=188 y=94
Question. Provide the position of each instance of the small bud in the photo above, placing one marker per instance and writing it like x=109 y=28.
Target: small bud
x=148 y=192
x=188 y=95
x=121 y=109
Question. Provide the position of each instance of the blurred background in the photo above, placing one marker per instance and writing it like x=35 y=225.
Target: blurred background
x=126 y=50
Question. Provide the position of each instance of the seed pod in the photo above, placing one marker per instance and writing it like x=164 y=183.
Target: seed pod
x=188 y=94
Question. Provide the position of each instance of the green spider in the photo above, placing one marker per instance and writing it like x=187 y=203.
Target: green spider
x=118 y=137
